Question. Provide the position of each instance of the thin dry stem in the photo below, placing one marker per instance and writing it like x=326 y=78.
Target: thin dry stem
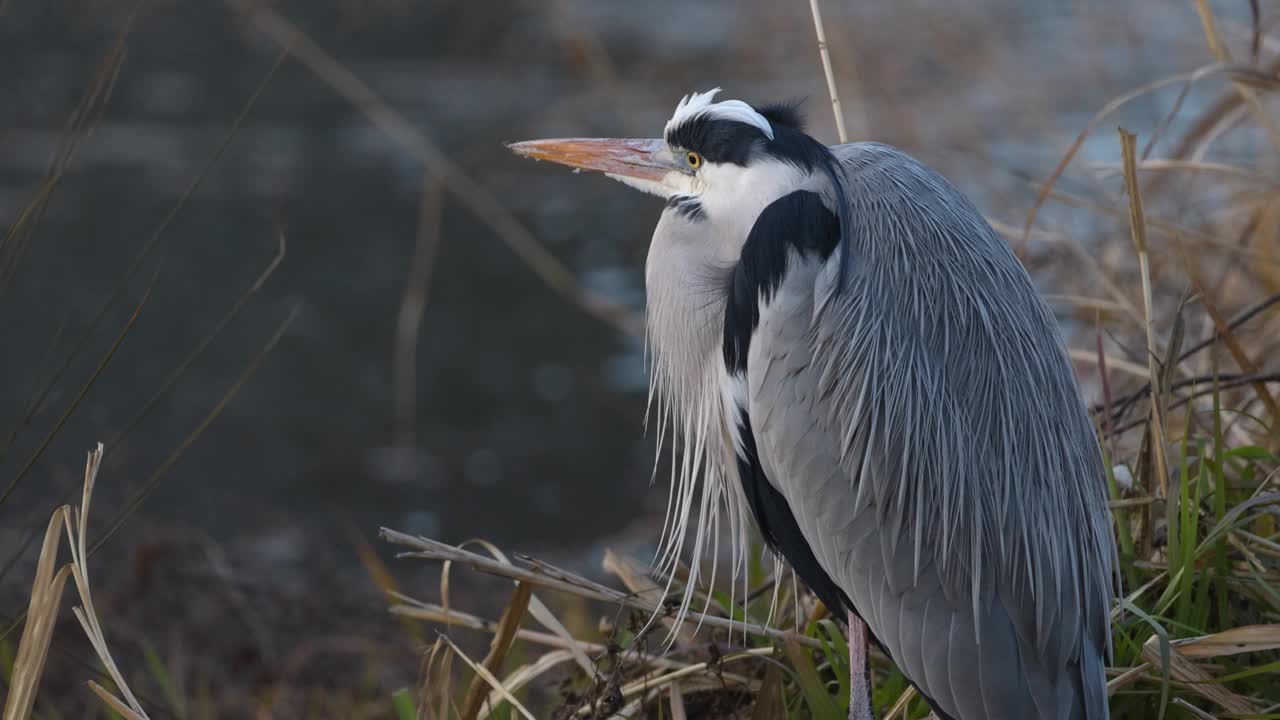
x=825 y=52
x=1137 y=225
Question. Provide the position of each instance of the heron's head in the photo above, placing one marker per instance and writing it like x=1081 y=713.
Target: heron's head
x=720 y=163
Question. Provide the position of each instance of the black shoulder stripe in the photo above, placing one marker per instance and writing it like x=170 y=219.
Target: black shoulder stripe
x=796 y=221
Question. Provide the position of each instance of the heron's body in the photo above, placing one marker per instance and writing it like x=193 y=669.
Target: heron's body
x=851 y=353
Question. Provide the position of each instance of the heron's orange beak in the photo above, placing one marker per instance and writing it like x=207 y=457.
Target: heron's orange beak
x=640 y=159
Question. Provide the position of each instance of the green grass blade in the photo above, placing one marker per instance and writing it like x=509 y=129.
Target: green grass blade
x=1166 y=653
x=821 y=706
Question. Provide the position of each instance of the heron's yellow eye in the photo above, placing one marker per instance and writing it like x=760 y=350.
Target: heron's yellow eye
x=694 y=159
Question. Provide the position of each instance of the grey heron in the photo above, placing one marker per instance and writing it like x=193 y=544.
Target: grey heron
x=853 y=358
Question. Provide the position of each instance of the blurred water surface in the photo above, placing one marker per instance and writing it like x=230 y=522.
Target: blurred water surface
x=528 y=411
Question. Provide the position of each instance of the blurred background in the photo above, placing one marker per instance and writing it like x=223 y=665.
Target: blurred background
x=460 y=358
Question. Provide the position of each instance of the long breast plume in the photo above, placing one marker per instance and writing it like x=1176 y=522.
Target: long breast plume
x=685 y=396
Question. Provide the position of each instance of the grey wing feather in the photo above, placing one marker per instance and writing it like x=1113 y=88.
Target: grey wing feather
x=923 y=421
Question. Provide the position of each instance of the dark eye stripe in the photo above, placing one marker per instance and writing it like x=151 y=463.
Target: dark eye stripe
x=722 y=141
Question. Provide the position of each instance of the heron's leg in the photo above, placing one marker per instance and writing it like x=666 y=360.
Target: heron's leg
x=859 y=671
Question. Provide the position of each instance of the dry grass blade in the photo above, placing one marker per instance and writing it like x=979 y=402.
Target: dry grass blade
x=114 y=702
x=1126 y=678
x=526 y=674
x=43 y=611
x=77 y=534
x=46 y=599
x=1183 y=671
x=434 y=550
x=899 y=707
x=435 y=689
x=1250 y=638
x=489 y=678
x=498 y=649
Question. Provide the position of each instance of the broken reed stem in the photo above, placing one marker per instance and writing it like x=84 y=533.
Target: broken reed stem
x=825 y=52
x=498 y=649
x=1138 y=229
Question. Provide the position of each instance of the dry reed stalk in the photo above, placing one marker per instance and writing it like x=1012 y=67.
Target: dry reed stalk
x=827 y=70
x=42 y=613
x=46 y=595
x=1138 y=229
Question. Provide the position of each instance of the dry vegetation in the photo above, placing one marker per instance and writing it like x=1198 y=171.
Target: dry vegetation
x=1174 y=291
